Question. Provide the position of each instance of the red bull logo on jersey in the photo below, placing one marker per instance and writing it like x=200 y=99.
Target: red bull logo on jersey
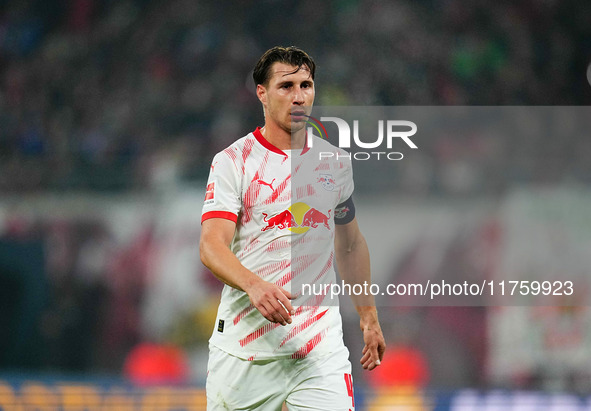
x=298 y=218
x=314 y=217
x=282 y=220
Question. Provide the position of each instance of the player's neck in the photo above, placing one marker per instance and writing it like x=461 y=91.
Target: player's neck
x=283 y=139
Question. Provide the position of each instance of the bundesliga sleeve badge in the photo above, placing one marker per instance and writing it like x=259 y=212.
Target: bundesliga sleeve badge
x=209 y=193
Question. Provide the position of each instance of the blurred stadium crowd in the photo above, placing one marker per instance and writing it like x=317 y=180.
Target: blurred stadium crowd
x=136 y=94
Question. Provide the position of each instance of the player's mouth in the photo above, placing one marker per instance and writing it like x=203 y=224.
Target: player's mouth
x=298 y=115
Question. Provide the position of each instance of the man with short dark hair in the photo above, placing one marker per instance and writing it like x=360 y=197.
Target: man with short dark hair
x=271 y=343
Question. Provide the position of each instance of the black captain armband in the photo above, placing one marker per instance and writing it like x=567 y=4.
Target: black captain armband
x=344 y=213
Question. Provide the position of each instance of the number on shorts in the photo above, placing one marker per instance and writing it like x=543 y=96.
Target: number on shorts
x=349 y=383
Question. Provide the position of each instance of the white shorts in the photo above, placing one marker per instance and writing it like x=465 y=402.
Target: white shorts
x=321 y=384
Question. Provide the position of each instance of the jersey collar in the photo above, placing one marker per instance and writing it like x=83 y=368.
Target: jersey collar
x=265 y=143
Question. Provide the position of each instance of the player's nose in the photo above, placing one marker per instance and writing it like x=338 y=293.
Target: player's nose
x=298 y=96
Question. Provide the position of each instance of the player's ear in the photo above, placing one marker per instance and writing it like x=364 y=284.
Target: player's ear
x=262 y=93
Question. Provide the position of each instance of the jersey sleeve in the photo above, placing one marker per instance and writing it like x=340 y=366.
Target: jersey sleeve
x=348 y=186
x=344 y=213
x=345 y=210
x=223 y=194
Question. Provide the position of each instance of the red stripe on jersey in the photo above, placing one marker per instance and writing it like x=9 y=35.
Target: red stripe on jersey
x=219 y=214
x=298 y=311
x=251 y=243
x=265 y=143
x=306 y=191
x=308 y=238
x=322 y=167
x=231 y=152
x=301 y=327
x=243 y=314
x=273 y=268
x=265 y=329
x=325 y=268
x=281 y=243
x=280 y=188
x=285 y=279
x=304 y=262
x=262 y=272
x=253 y=191
x=313 y=303
x=349 y=384
x=309 y=346
x=278 y=244
x=278 y=266
x=248 y=145
x=258 y=333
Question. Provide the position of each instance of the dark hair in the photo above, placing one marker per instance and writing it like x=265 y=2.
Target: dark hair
x=289 y=55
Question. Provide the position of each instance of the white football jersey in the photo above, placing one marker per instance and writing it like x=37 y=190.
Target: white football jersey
x=283 y=203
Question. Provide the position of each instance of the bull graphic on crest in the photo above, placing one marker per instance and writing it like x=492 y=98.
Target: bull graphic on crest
x=341 y=212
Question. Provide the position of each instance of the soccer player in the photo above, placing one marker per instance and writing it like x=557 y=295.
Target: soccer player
x=271 y=343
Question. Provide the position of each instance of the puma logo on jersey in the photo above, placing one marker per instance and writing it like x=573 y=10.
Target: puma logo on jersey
x=270 y=185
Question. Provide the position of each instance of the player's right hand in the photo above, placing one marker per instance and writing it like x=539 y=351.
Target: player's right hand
x=272 y=301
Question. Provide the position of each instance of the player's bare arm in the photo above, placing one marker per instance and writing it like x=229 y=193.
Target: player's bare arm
x=352 y=255
x=272 y=301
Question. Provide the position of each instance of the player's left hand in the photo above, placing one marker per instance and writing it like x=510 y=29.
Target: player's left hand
x=375 y=346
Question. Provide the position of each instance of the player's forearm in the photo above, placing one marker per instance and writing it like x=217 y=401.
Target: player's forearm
x=225 y=265
x=354 y=268
x=368 y=318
